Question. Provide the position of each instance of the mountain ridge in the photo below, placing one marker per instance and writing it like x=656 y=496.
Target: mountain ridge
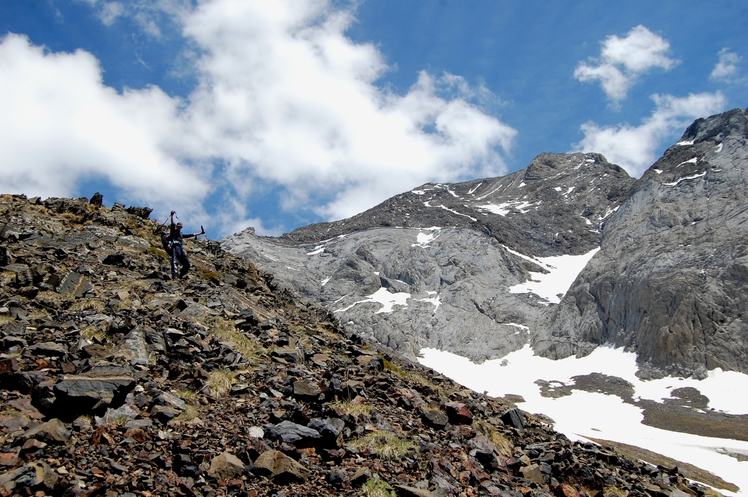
x=560 y=205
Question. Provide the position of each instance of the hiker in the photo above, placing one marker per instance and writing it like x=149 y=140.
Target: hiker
x=175 y=249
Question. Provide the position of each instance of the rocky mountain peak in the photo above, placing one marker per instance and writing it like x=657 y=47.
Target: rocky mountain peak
x=548 y=165
x=667 y=280
x=450 y=257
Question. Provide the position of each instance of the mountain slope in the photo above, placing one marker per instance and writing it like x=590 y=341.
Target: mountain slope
x=670 y=279
x=117 y=381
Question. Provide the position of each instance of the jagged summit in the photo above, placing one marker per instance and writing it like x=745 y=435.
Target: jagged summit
x=670 y=279
x=568 y=196
x=450 y=257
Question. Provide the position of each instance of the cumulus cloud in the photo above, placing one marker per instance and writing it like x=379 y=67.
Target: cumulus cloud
x=287 y=98
x=623 y=60
x=727 y=67
x=62 y=125
x=634 y=147
x=284 y=102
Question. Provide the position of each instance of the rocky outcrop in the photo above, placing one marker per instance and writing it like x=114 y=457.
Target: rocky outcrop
x=670 y=279
x=447 y=256
x=225 y=384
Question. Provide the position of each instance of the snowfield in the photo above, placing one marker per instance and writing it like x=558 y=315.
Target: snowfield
x=607 y=417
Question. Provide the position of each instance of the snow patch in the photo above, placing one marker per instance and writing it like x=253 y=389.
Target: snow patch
x=435 y=301
x=506 y=207
x=386 y=299
x=317 y=250
x=326 y=280
x=562 y=271
x=472 y=190
x=458 y=213
x=423 y=239
x=685 y=143
x=695 y=160
x=686 y=179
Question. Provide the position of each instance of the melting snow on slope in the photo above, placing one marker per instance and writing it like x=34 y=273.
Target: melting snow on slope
x=504 y=208
x=424 y=239
x=608 y=417
x=434 y=300
x=386 y=299
x=686 y=179
x=562 y=271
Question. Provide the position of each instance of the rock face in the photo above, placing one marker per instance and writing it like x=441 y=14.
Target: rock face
x=454 y=266
x=670 y=279
x=225 y=384
x=447 y=256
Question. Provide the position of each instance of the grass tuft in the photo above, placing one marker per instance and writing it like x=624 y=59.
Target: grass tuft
x=248 y=347
x=188 y=414
x=374 y=487
x=220 y=381
x=385 y=444
x=389 y=366
x=87 y=305
x=352 y=408
x=502 y=443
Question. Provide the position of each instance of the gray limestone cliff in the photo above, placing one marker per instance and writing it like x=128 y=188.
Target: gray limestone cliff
x=440 y=266
x=669 y=281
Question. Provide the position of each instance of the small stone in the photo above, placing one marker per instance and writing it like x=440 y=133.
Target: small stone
x=8 y=459
x=567 y=490
x=533 y=473
x=165 y=413
x=458 y=413
x=404 y=491
x=306 y=390
x=293 y=433
x=53 y=431
x=513 y=417
x=434 y=418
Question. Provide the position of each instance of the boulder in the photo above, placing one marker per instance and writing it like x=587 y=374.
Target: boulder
x=226 y=466
x=295 y=434
x=282 y=468
x=92 y=392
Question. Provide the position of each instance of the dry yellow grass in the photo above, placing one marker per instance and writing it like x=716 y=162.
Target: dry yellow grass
x=220 y=381
x=385 y=444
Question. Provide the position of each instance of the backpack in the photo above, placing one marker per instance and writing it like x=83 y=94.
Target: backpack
x=166 y=241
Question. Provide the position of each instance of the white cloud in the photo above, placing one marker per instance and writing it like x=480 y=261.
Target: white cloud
x=285 y=100
x=634 y=147
x=61 y=125
x=727 y=67
x=623 y=60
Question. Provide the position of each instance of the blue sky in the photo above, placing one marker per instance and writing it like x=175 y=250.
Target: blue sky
x=280 y=113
